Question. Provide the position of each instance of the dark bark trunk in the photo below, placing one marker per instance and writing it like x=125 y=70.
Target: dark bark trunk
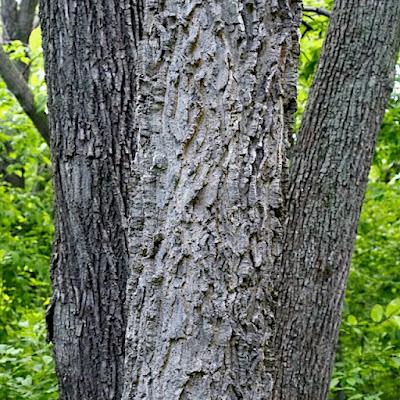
x=90 y=73
x=17 y=19
x=327 y=182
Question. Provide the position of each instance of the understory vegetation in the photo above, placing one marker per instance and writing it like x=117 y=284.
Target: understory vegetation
x=368 y=354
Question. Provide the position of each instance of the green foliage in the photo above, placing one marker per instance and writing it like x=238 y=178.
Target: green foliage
x=313 y=31
x=26 y=366
x=368 y=361
x=386 y=165
x=17 y=51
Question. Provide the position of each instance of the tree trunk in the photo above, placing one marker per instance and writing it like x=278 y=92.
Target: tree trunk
x=216 y=93
x=169 y=126
x=90 y=75
x=328 y=178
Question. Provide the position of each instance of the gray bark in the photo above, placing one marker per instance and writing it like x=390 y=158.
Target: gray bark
x=216 y=95
x=89 y=64
x=328 y=178
x=215 y=98
x=169 y=127
x=17 y=18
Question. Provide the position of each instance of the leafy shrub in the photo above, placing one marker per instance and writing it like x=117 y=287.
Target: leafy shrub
x=368 y=360
x=26 y=366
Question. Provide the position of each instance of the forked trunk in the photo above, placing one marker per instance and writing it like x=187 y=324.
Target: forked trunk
x=169 y=127
x=328 y=178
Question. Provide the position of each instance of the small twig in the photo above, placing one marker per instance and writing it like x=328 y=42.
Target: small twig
x=317 y=10
x=308 y=27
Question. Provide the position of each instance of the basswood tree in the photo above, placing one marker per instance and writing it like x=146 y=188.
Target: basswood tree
x=188 y=263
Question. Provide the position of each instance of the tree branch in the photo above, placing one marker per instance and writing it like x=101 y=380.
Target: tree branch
x=317 y=10
x=26 y=15
x=18 y=19
x=9 y=17
x=18 y=23
x=17 y=85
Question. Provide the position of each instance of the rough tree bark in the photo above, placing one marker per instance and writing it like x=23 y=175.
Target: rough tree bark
x=217 y=79
x=169 y=125
x=206 y=215
x=328 y=178
x=89 y=63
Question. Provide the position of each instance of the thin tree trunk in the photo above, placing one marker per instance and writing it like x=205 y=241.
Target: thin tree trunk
x=327 y=184
x=18 y=86
x=216 y=95
x=90 y=73
x=17 y=24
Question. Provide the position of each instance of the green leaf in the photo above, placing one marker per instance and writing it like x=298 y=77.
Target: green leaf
x=395 y=320
x=377 y=313
x=334 y=383
x=47 y=359
x=352 y=320
x=351 y=381
x=393 y=307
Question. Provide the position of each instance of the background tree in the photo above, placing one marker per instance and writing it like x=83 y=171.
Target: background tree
x=16 y=24
x=17 y=19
